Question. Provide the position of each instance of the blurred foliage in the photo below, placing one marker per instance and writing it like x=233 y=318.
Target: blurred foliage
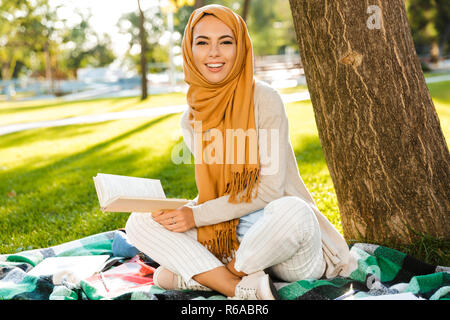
x=35 y=42
x=269 y=23
x=430 y=26
x=154 y=27
x=82 y=53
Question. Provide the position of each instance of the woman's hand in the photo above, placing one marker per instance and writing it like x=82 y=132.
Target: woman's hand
x=178 y=220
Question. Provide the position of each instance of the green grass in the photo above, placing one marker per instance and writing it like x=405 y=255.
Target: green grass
x=48 y=172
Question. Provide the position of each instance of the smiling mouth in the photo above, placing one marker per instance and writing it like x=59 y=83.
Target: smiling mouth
x=214 y=67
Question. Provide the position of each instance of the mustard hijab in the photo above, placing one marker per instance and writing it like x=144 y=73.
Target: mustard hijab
x=227 y=104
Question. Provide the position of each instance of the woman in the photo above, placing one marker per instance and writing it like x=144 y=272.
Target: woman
x=250 y=217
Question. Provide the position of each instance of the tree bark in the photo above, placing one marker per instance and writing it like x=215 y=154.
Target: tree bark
x=245 y=9
x=199 y=4
x=48 y=67
x=143 y=42
x=380 y=134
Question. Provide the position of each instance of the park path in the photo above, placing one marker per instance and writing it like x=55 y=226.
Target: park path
x=141 y=113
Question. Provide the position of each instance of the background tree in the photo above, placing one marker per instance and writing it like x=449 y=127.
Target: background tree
x=143 y=59
x=154 y=30
x=245 y=8
x=430 y=24
x=269 y=23
x=199 y=4
x=379 y=131
x=22 y=31
x=84 y=47
x=38 y=43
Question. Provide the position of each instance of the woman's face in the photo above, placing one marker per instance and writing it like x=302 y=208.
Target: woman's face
x=213 y=48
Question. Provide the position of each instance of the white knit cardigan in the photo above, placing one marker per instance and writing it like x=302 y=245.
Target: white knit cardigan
x=270 y=114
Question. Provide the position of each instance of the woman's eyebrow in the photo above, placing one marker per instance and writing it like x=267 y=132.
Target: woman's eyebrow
x=221 y=37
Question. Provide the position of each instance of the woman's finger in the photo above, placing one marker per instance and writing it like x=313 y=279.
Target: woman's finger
x=157 y=214
x=169 y=220
x=170 y=226
x=163 y=216
x=179 y=229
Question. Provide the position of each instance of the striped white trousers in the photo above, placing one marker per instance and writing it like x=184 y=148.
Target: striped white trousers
x=286 y=241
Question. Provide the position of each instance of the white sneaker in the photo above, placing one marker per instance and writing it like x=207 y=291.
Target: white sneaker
x=167 y=280
x=256 y=286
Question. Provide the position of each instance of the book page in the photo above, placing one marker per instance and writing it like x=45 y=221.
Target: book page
x=115 y=185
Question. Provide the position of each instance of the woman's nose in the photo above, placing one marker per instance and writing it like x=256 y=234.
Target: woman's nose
x=214 y=50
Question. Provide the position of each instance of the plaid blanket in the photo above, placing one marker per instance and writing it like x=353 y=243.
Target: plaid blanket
x=381 y=272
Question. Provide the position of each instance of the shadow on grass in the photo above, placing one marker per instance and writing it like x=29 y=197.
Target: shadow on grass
x=20 y=138
x=57 y=202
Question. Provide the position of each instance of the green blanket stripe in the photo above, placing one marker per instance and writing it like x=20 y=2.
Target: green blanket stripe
x=32 y=258
x=385 y=263
x=102 y=247
x=30 y=288
x=89 y=291
x=390 y=262
x=10 y=290
x=93 y=245
x=63 y=293
x=299 y=288
x=10 y=264
x=366 y=264
x=97 y=244
x=441 y=294
x=427 y=284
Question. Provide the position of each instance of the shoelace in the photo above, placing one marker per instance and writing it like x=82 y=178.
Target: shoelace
x=183 y=285
x=245 y=293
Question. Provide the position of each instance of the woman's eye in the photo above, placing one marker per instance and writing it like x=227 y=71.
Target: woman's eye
x=227 y=42
x=200 y=43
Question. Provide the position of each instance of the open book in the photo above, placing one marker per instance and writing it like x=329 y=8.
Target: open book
x=132 y=194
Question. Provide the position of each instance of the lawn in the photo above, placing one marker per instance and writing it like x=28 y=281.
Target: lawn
x=47 y=195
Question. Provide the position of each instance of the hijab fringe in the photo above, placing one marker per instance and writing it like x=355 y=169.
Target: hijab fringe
x=243 y=181
x=224 y=244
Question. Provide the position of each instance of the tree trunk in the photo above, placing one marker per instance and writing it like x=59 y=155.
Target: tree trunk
x=434 y=52
x=143 y=41
x=245 y=9
x=48 y=67
x=199 y=4
x=377 y=124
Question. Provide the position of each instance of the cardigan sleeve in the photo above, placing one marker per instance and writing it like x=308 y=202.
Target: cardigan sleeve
x=273 y=139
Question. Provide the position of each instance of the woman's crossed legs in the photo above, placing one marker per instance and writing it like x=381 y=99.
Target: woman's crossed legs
x=286 y=241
